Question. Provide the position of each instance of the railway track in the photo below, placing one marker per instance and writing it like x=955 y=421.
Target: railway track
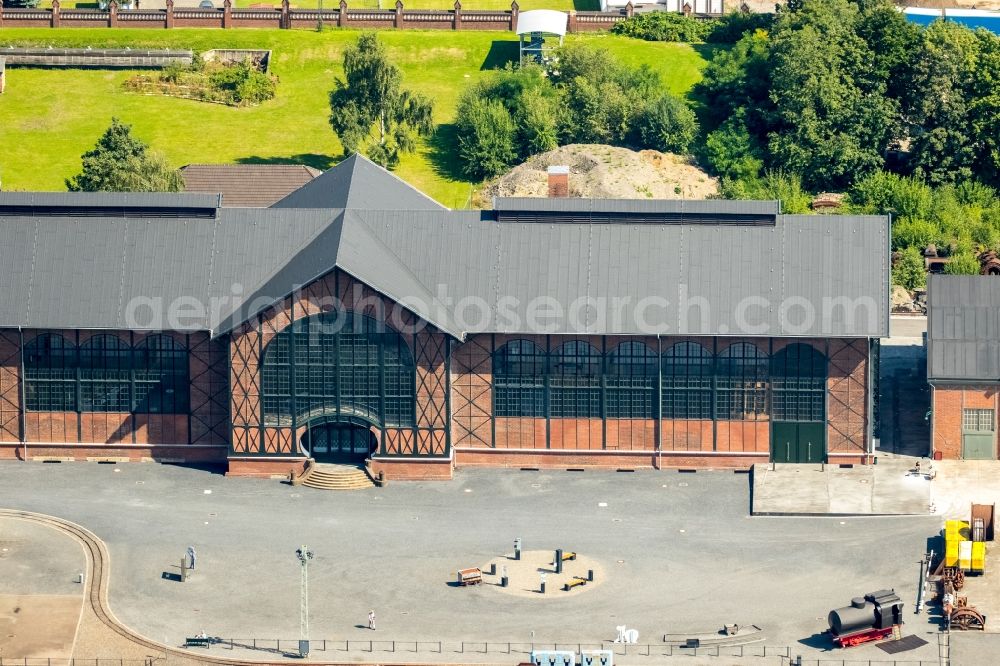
x=97 y=580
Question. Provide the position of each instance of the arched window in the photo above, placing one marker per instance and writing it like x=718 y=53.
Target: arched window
x=798 y=384
x=575 y=381
x=687 y=382
x=631 y=381
x=50 y=363
x=741 y=383
x=105 y=374
x=519 y=380
x=338 y=363
x=161 y=376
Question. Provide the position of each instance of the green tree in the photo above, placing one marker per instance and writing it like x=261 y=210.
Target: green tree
x=120 y=162
x=892 y=40
x=738 y=78
x=943 y=149
x=962 y=263
x=486 y=137
x=529 y=96
x=370 y=110
x=984 y=108
x=603 y=99
x=730 y=150
x=909 y=271
x=668 y=125
x=832 y=121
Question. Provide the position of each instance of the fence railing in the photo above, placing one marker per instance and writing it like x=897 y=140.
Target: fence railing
x=451 y=651
x=63 y=661
x=287 y=17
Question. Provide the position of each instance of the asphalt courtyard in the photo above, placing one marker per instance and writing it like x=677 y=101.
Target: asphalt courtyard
x=678 y=551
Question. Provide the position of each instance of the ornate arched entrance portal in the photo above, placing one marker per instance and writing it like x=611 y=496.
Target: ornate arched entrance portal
x=339 y=442
x=338 y=380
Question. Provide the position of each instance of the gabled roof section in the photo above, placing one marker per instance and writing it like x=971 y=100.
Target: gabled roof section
x=247 y=185
x=346 y=243
x=360 y=184
x=963 y=328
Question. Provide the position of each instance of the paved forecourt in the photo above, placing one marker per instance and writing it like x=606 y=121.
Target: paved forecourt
x=675 y=553
x=41 y=594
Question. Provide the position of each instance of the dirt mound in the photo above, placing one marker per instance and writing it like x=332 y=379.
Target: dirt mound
x=606 y=172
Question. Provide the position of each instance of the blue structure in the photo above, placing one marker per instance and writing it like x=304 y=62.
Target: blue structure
x=971 y=18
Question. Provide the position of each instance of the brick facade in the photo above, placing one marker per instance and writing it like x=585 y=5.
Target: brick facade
x=947 y=404
x=453 y=378
x=428 y=347
x=480 y=439
x=200 y=435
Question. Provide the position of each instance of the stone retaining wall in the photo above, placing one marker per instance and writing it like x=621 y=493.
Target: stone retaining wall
x=104 y=58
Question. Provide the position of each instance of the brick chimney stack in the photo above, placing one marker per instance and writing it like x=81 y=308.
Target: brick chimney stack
x=558 y=181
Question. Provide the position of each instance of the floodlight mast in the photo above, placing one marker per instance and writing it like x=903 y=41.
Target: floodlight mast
x=304 y=555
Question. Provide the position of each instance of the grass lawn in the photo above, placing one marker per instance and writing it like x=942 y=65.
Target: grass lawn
x=48 y=118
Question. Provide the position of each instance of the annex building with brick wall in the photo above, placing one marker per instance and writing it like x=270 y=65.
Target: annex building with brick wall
x=358 y=320
x=963 y=365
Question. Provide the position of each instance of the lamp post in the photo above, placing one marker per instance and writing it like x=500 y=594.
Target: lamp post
x=304 y=555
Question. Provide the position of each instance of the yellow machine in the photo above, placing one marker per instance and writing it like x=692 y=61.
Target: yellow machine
x=960 y=550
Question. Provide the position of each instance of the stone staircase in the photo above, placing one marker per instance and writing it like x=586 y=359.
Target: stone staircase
x=325 y=476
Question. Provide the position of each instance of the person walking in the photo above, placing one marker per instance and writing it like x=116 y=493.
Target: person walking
x=192 y=555
x=371 y=620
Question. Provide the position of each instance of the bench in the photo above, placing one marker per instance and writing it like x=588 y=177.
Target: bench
x=198 y=641
x=473 y=576
x=576 y=582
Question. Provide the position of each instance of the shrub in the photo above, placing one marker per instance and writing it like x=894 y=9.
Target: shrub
x=732 y=26
x=882 y=192
x=774 y=185
x=583 y=96
x=963 y=263
x=909 y=271
x=244 y=83
x=985 y=234
x=486 y=134
x=730 y=152
x=910 y=232
x=668 y=126
x=663 y=27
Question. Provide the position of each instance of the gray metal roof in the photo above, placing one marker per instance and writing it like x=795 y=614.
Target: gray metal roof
x=463 y=271
x=143 y=273
x=578 y=205
x=358 y=183
x=792 y=279
x=963 y=328
x=109 y=199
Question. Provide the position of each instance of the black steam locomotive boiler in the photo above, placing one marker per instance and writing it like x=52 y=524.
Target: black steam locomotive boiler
x=870 y=618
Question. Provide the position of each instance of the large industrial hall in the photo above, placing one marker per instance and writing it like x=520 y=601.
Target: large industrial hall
x=357 y=320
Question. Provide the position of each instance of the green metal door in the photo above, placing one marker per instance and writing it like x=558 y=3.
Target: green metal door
x=784 y=442
x=798 y=442
x=978 y=446
x=812 y=442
